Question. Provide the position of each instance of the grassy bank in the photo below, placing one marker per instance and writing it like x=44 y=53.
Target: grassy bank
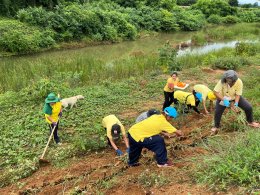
x=85 y=70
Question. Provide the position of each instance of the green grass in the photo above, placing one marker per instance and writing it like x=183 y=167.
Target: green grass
x=241 y=31
x=231 y=162
x=86 y=70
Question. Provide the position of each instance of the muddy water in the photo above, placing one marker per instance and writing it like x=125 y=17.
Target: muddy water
x=108 y=53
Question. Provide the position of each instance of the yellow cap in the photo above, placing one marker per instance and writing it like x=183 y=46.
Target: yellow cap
x=211 y=96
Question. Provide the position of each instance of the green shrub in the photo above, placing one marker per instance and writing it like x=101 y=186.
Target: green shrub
x=168 y=21
x=168 y=58
x=228 y=63
x=110 y=33
x=248 y=16
x=21 y=38
x=35 y=16
x=230 y=19
x=190 y=20
x=247 y=49
x=218 y=7
x=214 y=19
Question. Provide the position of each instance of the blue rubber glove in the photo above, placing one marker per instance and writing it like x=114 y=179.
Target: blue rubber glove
x=119 y=152
x=128 y=150
x=226 y=102
x=236 y=104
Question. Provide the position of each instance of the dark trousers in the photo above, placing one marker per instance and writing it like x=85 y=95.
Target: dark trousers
x=55 y=133
x=154 y=143
x=243 y=104
x=168 y=99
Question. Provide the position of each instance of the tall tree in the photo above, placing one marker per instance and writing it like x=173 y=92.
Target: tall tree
x=233 y=3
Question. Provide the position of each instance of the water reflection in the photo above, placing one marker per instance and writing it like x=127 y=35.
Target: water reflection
x=206 y=48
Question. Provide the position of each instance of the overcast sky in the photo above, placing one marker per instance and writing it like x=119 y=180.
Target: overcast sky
x=248 y=1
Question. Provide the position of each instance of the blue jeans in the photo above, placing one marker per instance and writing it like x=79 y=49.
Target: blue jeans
x=55 y=133
x=154 y=143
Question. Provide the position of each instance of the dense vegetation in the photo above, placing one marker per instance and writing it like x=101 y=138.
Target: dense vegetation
x=95 y=21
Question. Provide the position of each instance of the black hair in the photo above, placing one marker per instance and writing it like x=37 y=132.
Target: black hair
x=115 y=131
x=152 y=112
x=174 y=73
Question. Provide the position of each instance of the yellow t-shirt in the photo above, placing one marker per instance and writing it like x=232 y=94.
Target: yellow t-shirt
x=181 y=97
x=170 y=81
x=56 y=108
x=225 y=90
x=203 y=89
x=109 y=121
x=151 y=126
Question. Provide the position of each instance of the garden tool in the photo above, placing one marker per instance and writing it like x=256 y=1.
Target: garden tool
x=42 y=160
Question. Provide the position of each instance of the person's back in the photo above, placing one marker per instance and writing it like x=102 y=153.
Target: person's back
x=185 y=97
x=149 y=127
x=203 y=89
x=145 y=134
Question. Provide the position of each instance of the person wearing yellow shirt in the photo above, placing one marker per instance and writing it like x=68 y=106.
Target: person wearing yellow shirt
x=145 y=134
x=206 y=94
x=192 y=100
x=52 y=111
x=229 y=90
x=169 y=89
x=113 y=129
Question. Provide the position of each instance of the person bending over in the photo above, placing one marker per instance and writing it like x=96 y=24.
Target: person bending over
x=145 y=134
x=114 y=128
x=192 y=100
x=207 y=94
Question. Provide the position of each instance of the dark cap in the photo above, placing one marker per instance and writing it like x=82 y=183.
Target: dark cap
x=115 y=131
x=152 y=112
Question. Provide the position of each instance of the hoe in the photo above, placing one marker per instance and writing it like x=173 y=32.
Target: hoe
x=43 y=161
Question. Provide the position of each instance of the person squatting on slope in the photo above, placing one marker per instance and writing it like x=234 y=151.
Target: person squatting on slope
x=169 y=89
x=146 y=114
x=206 y=94
x=192 y=100
x=229 y=91
x=145 y=134
x=113 y=129
x=52 y=111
